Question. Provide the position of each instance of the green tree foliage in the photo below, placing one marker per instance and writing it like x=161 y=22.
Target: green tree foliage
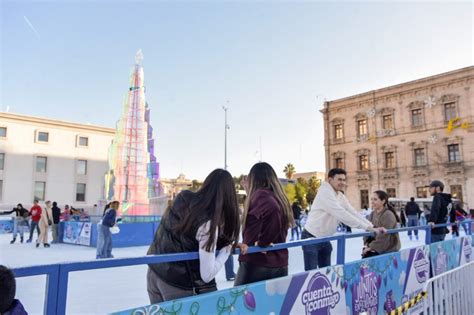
x=301 y=189
x=290 y=191
x=289 y=170
x=313 y=187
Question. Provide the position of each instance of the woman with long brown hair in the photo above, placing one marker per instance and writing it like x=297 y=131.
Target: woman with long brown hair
x=266 y=219
x=206 y=221
x=383 y=215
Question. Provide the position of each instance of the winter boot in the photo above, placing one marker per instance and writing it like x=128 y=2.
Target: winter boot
x=13 y=240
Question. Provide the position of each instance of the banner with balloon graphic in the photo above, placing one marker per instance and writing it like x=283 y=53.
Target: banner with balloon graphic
x=317 y=292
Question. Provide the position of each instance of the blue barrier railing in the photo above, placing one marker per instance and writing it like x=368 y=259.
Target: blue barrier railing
x=58 y=274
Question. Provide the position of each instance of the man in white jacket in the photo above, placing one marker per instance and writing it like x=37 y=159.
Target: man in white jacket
x=329 y=208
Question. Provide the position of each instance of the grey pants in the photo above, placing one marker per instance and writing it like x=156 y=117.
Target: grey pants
x=160 y=291
x=55 y=228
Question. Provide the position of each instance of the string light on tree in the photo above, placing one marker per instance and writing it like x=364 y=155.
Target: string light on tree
x=430 y=101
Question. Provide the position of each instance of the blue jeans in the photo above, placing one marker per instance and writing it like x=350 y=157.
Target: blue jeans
x=32 y=229
x=229 y=268
x=104 y=242
x=316 y=255
x=437 y=238
x=412 y=220
x=18 y=225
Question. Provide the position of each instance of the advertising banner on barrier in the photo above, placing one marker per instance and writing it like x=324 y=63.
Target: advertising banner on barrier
x=445 y=255
x=465 y=252
x=78 y=233
x=317 y=292
x=416 y=274
x=6 y=226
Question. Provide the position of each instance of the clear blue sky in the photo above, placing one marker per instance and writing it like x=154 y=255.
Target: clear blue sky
x=271 y=60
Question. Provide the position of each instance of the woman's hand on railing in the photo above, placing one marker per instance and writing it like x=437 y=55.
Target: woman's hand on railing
x=243 y=248
x=378 y=230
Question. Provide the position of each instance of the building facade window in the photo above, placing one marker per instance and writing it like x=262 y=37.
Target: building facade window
x=363 y=162
x=387 y=122
x=453 y=153
x=364 y=198
x=456 y=192
x=416 y=117
x=450 y=111
x=82 y=141
x=391 y=192
x=1 y=189
x=3 y=132
x=362 y=127
x=389 y=160
x=339 y=163
x=41 y=164
x=81 y=167
x=2 y=161
x=420 y=157
x=80 y=192
x=338 y=131
x=40 y=191
x=42 y=136
x=422 y=192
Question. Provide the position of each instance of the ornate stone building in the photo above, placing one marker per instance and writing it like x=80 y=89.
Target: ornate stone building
x=401 y=137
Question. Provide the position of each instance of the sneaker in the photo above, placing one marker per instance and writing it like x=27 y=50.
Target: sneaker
x=231 y=279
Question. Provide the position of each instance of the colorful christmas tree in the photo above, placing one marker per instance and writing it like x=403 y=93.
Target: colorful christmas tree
x=133 y=176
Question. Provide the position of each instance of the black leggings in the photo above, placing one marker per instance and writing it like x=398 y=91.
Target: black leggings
x=249 y=273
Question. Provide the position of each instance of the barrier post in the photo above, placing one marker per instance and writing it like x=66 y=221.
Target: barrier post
x=341 y=250
x=62 y=292
x=428 y=234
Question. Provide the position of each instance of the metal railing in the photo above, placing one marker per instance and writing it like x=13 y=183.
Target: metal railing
x=451 y=292
x=57 y=275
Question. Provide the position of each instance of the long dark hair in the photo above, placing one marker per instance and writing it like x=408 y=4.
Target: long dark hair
x=384 y=197
x=216 y=198
x=262 y=175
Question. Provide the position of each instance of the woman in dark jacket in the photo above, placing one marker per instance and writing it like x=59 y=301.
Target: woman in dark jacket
x=266 y=219
x=19 y=221
x=206 y=221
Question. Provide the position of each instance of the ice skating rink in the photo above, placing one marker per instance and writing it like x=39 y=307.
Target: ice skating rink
x=107 y=290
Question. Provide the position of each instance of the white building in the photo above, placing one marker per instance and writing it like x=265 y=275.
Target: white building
x=53 y=160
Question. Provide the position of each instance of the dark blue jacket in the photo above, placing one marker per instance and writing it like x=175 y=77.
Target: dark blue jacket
x=109 y=217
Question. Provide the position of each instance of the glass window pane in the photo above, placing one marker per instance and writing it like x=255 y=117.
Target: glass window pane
x=2 y=161
x=83 y=141
x=1 y=189
x=81 y=192
x=39 y=190
x=43 y=136
x=81 y=167
x=3 y=132
x=41 y=162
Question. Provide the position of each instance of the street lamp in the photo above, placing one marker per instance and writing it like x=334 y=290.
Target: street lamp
x=226 y=126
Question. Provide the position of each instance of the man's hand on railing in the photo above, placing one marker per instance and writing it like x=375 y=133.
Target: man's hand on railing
x=432 y=224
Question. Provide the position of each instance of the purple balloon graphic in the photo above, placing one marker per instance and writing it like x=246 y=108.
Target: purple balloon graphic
x=249 y=300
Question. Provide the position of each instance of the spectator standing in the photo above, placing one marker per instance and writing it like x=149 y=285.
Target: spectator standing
x=329 y=208
x=440 y=209
x=35 y=213
x=412 y=211
x=266 y=220
x=295 y=207
x=206 y=221
x=56 y=213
